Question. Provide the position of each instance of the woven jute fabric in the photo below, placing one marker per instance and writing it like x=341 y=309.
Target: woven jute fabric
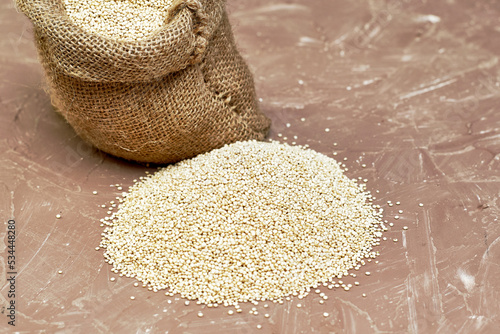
x=183 y=91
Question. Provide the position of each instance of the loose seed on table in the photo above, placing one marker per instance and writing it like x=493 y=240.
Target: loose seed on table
x=235 y=224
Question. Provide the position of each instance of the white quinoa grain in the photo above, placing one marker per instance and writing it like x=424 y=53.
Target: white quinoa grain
x=250 y=221
x=126 y=20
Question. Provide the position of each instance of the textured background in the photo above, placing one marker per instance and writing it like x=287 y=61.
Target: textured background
x=408 y=87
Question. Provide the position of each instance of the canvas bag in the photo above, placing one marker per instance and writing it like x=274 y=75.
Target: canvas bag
x=183 y=91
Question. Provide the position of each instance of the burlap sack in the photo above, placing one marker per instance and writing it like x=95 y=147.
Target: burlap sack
x=184 y=91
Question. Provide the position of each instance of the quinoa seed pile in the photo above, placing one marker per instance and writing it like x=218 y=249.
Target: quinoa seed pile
x=250 y=221
x=126 y=20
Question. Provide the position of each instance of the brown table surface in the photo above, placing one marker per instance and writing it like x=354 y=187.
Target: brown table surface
x=408 y=87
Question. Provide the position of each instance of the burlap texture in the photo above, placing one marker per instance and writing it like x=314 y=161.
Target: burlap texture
x=181 y=92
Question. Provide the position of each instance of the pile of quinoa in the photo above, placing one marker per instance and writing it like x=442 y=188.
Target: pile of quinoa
x=247 y=222
x=126 y=20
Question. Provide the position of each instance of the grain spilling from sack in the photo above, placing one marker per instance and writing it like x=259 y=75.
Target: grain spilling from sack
x=249 y=221
x=119 y=19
